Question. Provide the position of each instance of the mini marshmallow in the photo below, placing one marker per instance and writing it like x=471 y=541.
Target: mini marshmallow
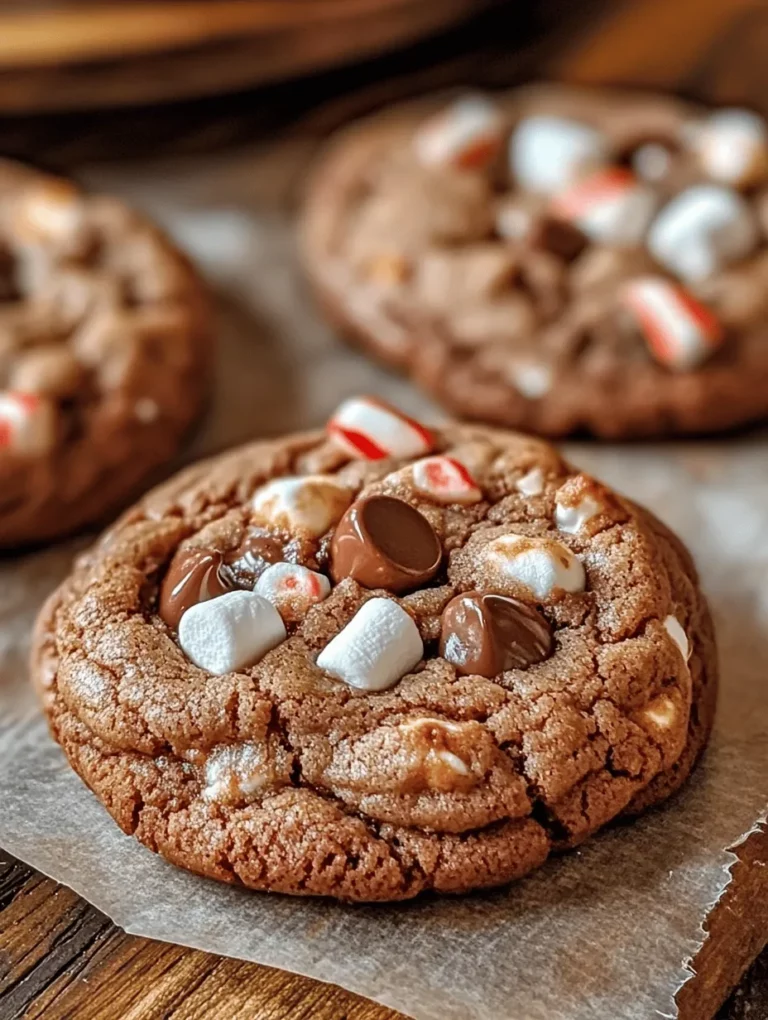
x=531 y=483
x=531 y=380
x=146 y=410
x=701 y=230
x=673 y=627
x=292 y=588
x=610 y=206
x=379 y=645
x=680 y=332
x=467 y=135
x=513 y=222
x=50 y=210
x=732 y=147
x=236 y=773
x=661 y=712
x=445 y=480
x=27 y=423
x=230 y=632
x=651 y=162
x=372 y=430
x=541 y=564
x=310 y=503
x=571 y=517
x=546 y=154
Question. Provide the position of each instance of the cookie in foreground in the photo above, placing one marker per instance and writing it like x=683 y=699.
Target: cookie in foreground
x=105 y=351
x=378 y=660
x=555 y=260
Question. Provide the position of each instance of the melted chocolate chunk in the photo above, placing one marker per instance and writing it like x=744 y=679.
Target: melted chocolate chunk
x=383 y=542
x=194 y=575
x=485 y=634
x=245 y=565
x=559 y=237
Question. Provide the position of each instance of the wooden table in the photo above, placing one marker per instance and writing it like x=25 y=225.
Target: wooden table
x=61 y=958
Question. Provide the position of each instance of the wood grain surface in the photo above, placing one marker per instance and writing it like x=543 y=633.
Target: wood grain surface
x=61 y=959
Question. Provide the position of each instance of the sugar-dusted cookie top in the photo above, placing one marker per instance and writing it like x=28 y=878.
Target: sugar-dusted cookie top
x=377 y=660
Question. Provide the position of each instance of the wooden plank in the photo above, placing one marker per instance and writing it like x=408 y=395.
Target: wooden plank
x=60 y=958
x=738 y=932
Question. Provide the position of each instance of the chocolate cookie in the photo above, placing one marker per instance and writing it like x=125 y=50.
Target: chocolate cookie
x=378 y=660
x=560 y=260
x=105 y=348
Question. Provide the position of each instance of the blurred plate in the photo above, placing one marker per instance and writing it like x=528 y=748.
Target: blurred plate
x=58 y=56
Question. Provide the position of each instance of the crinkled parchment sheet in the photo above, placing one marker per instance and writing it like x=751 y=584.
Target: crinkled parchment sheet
x=600 y=934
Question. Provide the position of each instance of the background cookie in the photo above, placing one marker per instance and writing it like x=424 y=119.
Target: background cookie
x=379 y=660
x=555 y=259
x=104 y=351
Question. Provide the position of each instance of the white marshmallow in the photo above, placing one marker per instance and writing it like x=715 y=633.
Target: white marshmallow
x=146 y=410
x=230 y=632
x=531 y=483
x=532 y=380
x=372 y=430
x=50 y=210
x=541 y=564
x=732 y=147
x=466 y=135
x=661 y=712
x=675 y=630
x=571 y=517
x=27 y=423
x=610 y=206
x=651 y=162
x=236 y=773
x=311 y=503
x=513 y=222
x=445 y=480
x=292 y=588
x=680 y=332
x=547 y=153
x=379 y=645
x=701 y=230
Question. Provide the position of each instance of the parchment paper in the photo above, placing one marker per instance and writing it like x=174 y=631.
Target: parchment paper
x=601 y=934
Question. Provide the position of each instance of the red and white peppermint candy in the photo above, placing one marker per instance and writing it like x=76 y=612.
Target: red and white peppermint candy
x=369 y=429
x=292 y=589
x=611 y=205
x=27 y=423
x=680 y=332
x=467 y=135
x=445 y=480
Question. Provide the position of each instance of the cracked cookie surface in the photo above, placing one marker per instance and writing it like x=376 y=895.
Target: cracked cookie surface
x=293 y=773
x=105 y=348
x=556 y=260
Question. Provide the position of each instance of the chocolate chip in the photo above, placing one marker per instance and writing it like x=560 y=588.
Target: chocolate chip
x=194 y=576
x=485 y=634
x=245 y=564
x=383 y=542
x=557 y=236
